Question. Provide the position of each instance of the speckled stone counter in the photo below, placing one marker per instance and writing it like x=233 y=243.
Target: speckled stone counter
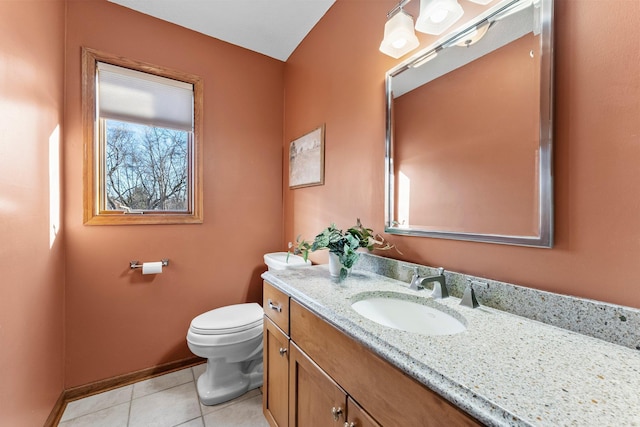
x=504 y=370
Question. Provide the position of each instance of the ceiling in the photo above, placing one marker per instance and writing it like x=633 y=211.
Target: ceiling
x=271 y=27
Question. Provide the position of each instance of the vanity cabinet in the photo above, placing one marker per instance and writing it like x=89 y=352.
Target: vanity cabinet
x=332 y=377
x=387 y=394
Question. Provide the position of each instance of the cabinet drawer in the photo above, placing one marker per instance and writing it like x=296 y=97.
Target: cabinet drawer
x=369 y=378
x=276 y=306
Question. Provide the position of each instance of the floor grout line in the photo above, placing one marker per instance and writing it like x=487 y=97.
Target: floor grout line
x=159 y=391
x=195 y=385
x=130 y=404
x=113 y=405
x=193 y=381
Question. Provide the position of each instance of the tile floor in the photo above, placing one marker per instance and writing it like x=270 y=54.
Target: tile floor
x=165 y=401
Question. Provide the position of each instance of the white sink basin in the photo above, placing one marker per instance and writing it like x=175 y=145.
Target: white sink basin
x=408 y=316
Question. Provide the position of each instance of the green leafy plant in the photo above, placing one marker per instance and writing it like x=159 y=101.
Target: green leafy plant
x=344 y=244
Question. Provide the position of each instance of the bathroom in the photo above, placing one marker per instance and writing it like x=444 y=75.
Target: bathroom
x=71 y=311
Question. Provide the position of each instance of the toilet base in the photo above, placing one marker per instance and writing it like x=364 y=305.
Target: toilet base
x=223 y=381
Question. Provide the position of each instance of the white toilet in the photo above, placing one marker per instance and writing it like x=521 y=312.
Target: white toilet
x=230 y=338
x=284 y=261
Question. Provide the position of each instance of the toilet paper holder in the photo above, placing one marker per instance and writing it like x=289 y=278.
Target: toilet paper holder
x=134 y=264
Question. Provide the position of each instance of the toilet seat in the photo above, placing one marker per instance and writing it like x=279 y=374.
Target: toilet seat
x=228 y=320
x=228 y=325
x=211 y=341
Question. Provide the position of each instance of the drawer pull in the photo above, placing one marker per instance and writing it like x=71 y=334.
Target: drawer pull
x=336 y=412
x=272 y=306
x=282 y=351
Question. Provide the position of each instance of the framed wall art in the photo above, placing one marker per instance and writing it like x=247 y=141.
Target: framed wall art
x=306 y=159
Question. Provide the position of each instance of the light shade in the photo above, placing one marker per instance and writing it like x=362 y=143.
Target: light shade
x=399 y=36
x=437 y=15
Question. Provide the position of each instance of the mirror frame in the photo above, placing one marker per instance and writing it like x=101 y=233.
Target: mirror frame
x=544 y=237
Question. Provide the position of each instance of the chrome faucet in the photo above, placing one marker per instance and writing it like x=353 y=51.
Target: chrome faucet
x=439 y=283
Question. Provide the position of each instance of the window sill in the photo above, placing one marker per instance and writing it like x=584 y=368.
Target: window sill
x=143 y=219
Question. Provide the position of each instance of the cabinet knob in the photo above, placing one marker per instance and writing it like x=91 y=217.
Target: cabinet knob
x=282 y=351
x=336 y=412
x=272 y=306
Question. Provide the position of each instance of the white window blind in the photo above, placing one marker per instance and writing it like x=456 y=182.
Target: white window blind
x=134 y=96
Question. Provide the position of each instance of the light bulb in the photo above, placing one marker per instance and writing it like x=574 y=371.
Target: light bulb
x=439 y=15
x=399 y=44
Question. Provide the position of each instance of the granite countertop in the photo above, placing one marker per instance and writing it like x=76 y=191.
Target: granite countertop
x=504 y=370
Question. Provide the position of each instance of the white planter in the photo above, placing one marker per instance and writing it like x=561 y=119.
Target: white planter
x=334 y=265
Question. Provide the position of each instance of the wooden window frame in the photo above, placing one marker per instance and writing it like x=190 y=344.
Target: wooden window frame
x=94 y=150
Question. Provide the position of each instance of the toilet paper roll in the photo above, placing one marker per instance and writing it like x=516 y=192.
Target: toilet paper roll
x=152 y=267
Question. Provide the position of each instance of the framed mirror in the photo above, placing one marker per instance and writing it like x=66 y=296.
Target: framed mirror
x=469 y=131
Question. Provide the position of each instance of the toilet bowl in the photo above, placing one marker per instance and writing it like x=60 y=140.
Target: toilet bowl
x=230 y=338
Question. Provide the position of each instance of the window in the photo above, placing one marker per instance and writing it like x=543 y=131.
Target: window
x=142 y=142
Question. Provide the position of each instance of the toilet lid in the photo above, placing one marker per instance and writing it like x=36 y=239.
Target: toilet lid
x=228 y=320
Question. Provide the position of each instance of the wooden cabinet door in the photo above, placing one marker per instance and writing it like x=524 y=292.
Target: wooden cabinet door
x=275 y=396
x=315 y=400
x=357 y=417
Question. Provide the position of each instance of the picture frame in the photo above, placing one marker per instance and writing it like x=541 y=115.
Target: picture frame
x=306 y=159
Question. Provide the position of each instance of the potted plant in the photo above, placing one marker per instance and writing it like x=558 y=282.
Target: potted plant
x=342 y=246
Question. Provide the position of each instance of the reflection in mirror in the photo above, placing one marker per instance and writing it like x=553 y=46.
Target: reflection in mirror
x=469 y=131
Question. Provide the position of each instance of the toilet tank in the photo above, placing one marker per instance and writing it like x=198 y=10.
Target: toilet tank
x=279 y=261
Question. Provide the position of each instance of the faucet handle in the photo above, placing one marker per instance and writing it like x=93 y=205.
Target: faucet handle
x=415 y=280
x=469 y=297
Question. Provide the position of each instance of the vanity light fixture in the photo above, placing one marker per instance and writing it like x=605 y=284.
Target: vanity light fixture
x=399 y=36
x=437 y=15
x=516 y=7
x=482 y=2
x=474 y=35
x=425 y=58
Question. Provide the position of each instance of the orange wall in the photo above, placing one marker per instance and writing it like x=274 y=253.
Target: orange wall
x=31 y=264
x=336 y=76
x=117 y=320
